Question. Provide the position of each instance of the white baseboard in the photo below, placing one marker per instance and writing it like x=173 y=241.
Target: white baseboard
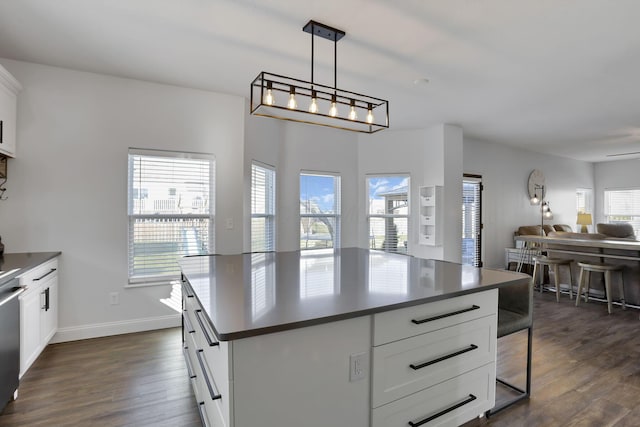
x=97 y=330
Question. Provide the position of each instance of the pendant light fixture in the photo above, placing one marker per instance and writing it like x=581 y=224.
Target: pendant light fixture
x=287 y=98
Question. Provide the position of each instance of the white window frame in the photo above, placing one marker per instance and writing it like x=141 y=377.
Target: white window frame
x=369 y=215
x=337 y=194
x=132 y=217
x=270 y=215
x=587 y=194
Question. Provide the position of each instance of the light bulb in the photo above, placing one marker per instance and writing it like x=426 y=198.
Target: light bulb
x=548 y=214
x=370 y=118
x=292 y=104
x=535 y=199
x=333 y=111
x=545 y=207
x=313 y=108
x=352 y=114
x=268 y=97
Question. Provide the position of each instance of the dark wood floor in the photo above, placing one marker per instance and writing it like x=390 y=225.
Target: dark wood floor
x=586 y=367
x=126 y=380
x=586 y=372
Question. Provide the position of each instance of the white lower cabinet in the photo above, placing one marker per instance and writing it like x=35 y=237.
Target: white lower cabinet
x=38 y=311
x=435 y=364
x=442 y=373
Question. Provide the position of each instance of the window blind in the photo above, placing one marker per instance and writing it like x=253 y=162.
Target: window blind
x=170 y=212
x=471 y=221
x=262 y=208
x=623 y=206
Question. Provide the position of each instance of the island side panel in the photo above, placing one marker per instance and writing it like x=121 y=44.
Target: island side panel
x=301 y=377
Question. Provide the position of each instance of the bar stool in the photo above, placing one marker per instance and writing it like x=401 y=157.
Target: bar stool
x=554 y=263
x=599 y=267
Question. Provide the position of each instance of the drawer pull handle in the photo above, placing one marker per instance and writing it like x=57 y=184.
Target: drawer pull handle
x=188 y=362
x=442 y=316
x=471 y=398
x=45 y=274
x=212 y=392
x=204 y=330
x=440 y=359
x=188 y=325
x=203 y=415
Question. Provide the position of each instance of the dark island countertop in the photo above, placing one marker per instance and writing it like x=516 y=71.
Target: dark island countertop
x=253 y=294
x=14 y=264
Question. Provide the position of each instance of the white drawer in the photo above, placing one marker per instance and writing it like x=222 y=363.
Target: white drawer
x=472 y=391
x=413 y=364
x=37 y=275
x=411 y=321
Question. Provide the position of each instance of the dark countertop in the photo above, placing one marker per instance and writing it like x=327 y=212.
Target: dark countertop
x=253 y=294
x=624 y=244
x=20 y=263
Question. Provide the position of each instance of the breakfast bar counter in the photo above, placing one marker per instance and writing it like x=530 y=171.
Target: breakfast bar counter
x=620 y=252
x=340 y=337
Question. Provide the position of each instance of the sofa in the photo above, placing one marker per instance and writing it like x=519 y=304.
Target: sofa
x=621 y=230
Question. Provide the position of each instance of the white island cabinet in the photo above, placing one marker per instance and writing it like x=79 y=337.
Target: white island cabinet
x=390 y=340
x=9 y=88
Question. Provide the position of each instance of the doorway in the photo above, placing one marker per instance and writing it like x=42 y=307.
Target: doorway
x=472 y=220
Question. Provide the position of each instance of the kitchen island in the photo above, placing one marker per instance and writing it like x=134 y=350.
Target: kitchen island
x=349 y=337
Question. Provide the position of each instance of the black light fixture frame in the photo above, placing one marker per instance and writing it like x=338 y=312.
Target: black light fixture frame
x=285 y=86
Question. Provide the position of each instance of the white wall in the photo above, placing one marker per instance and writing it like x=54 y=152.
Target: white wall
x=263 y=143
x=425 y=155
x=67 y=188
x=315 y=148
x=292 y=148
x=505 y=201
x=611 y=175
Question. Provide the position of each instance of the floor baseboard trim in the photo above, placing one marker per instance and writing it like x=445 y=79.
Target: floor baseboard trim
x=97 y=330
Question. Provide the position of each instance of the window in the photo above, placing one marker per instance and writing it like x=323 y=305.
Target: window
x=583 y=200
x=623 y=206
x=170 y=209
x=319 y=210
x=388 y=212
x=263 y=200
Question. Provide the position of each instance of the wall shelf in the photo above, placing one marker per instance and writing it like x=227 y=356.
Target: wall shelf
x=430 y=215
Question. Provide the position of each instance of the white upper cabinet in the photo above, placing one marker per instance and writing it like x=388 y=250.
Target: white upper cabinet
x=9 y=88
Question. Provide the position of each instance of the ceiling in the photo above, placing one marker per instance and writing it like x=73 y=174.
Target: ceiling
x=552 y=76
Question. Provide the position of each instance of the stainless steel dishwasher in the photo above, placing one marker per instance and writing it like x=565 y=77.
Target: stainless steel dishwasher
x=9 y=340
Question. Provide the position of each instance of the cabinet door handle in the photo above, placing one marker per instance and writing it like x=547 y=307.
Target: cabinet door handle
x=212 y=391
x=188 y=325
x=1 y=132
x=204 y=330
x=471 y=398
x=442 y=316
x=441 y=358
x=45 y=274
x=46 y=299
